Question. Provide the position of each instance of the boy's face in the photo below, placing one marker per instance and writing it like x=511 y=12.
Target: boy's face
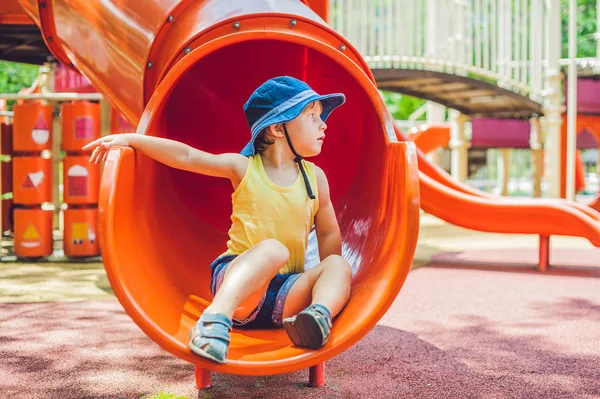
x=307 y=130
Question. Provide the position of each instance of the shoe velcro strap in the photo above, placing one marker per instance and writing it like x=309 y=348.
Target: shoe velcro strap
x=216 y=318
x=321 y=311
x=323 y=320
x=215 y=331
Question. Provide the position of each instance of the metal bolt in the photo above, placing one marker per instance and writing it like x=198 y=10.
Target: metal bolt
x=343 y=47
x=293 y=23
x=149 y=65
x=236 y=25
x=42 y=5
x=50 y=38
x=187 y=50
x=170 y=19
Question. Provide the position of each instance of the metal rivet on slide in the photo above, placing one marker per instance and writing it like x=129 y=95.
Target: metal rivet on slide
x=343 y=47
x=293 y=23
x=187 y=50
x=236 y=25
x=149 y=65
x=170 y=19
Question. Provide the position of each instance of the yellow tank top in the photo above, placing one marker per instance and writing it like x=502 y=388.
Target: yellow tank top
x=262 y=210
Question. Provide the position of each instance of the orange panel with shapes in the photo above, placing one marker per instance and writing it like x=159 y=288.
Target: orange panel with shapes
x=32 y=180
x=81 y=180
x=32 y=127
x=33 y=232
x=80 y=237
x=81 y=124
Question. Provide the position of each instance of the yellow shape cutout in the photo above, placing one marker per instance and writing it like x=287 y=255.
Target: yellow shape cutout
x=31 y=233
x=80 y=231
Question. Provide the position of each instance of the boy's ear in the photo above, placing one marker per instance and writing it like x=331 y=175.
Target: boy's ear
x=276 y=130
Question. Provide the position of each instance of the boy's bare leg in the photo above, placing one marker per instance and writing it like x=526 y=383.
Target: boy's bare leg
x=326 y=284
x=247 y=278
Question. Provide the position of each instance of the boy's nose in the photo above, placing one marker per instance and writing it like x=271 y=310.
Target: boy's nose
x=323 y=125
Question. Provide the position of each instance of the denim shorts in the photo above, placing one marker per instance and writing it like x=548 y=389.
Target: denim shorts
x=269 y=312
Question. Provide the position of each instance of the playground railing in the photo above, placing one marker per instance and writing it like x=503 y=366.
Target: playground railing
x=510 y=43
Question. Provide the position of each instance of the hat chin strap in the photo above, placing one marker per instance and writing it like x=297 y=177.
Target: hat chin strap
x=298 y=160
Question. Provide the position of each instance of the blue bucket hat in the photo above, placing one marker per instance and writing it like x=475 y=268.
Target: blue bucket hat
x=280 y=100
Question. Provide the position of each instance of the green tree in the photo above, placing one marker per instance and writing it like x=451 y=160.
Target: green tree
x=402 y=106
x=586 y=28
x=15 y=76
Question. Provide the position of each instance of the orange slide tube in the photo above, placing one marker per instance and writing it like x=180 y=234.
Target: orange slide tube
x=464 y=206
x=184 y=70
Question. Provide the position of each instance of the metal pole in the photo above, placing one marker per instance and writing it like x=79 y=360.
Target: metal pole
x=535 y=143
x=504 y=170
x=553 y=103
x=53 y=96
x=598 y=29
x=435 y=114
x=458 y=146
x=572 y=101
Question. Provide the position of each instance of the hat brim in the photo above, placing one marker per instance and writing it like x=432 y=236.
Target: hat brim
x=328 y=101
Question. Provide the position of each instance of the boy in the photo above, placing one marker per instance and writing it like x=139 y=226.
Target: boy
x=260 y=281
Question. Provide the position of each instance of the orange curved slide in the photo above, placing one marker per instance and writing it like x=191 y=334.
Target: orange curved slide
x=459 y=204
x=595 y=204
x=427 y=138
x=184 y=71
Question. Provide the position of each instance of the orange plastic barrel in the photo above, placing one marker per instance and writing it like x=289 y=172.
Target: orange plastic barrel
x=33 y=232
x=80 y=234
x=32 y=180
x=80 y=124
x=81 y=180
x=32 y=127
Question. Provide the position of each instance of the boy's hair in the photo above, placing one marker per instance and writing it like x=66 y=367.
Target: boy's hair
x=262 y=141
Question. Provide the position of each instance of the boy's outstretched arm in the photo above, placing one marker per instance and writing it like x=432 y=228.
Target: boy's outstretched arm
x=175 y=154
x=327 y=228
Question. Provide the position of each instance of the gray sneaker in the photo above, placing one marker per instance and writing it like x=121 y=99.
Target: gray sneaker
x=309 y=328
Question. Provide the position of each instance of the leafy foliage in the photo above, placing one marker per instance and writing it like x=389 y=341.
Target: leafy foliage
x=586 y=28
x=16 y=76
x=402 y=106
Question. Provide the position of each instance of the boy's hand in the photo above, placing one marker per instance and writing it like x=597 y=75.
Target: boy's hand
x=101 y=146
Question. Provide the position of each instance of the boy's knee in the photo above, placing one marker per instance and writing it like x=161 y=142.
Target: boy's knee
x=342 y=266
x=275 y=250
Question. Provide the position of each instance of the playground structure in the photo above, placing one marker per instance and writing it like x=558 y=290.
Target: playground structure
x=185 y=59
x=514 y=133
x=42 y=140
x=131 y=209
